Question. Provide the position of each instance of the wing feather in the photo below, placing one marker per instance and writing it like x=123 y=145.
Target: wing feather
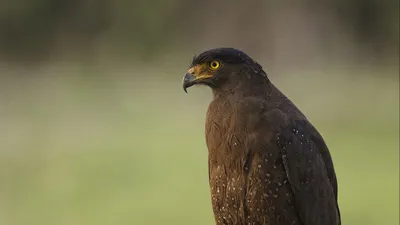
x=313 y=183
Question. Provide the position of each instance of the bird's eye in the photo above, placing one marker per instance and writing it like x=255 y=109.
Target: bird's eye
x=214 y=65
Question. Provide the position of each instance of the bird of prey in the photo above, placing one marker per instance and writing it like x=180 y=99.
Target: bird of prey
x=267 y=163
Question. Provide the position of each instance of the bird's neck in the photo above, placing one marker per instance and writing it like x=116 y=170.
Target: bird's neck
x=243 y=86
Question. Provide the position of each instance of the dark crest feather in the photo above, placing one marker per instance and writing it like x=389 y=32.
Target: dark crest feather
x=226 y=55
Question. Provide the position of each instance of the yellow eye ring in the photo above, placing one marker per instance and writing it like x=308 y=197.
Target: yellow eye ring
x=214 y=65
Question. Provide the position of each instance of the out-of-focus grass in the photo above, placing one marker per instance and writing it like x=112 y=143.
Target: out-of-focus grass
x=129 y=149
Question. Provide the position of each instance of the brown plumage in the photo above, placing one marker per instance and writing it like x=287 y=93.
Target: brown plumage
x=267 y=164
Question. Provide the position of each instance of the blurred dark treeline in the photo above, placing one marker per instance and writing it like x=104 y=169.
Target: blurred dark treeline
x=282 y=31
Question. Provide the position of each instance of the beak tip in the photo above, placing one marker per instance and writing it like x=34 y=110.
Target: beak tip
x=188 y=81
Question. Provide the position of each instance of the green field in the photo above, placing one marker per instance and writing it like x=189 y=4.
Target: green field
x=129 y=148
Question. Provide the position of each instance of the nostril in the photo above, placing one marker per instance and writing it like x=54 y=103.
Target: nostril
x=192 y=71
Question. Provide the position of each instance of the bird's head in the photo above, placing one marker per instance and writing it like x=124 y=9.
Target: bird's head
x=216 y=67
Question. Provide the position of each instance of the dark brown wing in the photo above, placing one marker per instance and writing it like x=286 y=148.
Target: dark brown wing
x=310 y=172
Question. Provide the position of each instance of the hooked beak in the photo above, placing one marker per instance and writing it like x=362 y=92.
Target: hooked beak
x=195 y=76
x=188 y=81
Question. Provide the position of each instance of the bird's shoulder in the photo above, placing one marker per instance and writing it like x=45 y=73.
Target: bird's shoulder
x=261 y=115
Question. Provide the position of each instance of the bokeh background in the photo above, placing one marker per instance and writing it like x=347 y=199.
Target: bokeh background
x=95 y=128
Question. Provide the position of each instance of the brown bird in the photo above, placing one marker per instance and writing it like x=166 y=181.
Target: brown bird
x=267 y=164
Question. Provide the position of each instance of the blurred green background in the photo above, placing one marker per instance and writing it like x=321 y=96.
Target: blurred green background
x=95 y=128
